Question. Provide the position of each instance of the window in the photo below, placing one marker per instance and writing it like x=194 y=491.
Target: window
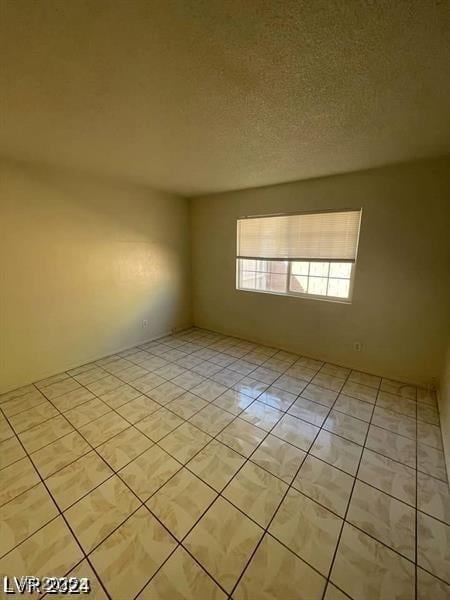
x=308 y=254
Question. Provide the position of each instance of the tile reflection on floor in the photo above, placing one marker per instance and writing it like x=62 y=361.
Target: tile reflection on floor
x=206 y=466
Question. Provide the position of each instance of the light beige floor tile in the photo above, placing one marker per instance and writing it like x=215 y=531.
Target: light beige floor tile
x=325 y=484
x=365 y=379
x=242 y=436
x=186 y=405
x=182 y=578
x=337 y=451
x=431 y=461
x=165 y=392
x=290 y=384
x=52 y=549
x=120 y=396
x=250 y=387
x=24 y=515
x=426 y=396
x=321 y=395
x=433 y=546
x=302 y=372
x=103 y=428
x=275 y=572
x=433 y=497
x=27 y=401
x=188 y=380
x=393 y=446
x=77 y=479
x=45 y=433
x=59 y=388
x=233 y=401
x=17 y=478
x=256 y=492
x=93 y=373
x=427 y=414
x=159 y=424
x=124 y=447
x=131 y=373
x=385 y=518
x=354 y=407
x=278 y=457
x=277 y=398
x=129 y=557
x=138 y=409
x=104 y=385
x=359 y=391
x=10 y=452
x=72 y=399
x=365 y=569
x=170 y=371
x=216 y=464
x=430 y=587
x=328 y=382
x=87 y=412
x=209 y=390
x=391 y=477
x=184 y=442
x=309 y=411
x=223 y=541
x=59 y=454
x=32 y=417
x=262 y=415
x=17 y=393
x=394 y=422
x=346 y=426
x=299 y=433
x=429 y=435
x=181 y=502
x=397 y=404
x=404 y=390
x=149 y=471
x=96 y=515
x=6 y=431
x=211 y=419
x=307 y=529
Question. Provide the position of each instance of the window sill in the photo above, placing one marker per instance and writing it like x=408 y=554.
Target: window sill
x=300 y=296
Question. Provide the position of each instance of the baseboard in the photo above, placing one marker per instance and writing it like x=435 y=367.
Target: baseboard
x=89 y=359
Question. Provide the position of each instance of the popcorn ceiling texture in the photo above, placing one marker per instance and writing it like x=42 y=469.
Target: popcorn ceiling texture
x=205 y=96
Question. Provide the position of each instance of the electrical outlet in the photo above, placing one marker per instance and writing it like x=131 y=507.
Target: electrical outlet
x=357 y=346
x=144 y=323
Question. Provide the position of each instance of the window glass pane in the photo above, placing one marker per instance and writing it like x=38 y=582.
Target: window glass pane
x=248 y=280
x=319 y=269
x=341 y=270
x=248 y=265
x=261 y=265
x=340 y=288
x=317 y=285
x=278 y=266
x=298 y=284
x=277 y=282
x=299 y=268
x=262 y=281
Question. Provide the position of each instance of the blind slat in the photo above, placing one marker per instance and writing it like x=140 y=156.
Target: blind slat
x=319 y=236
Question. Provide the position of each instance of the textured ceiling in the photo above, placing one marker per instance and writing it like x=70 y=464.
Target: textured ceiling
x=209 y=95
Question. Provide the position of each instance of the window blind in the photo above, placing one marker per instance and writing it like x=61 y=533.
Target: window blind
x=329 y=236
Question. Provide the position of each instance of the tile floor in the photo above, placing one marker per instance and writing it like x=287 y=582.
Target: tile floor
x=203 y=466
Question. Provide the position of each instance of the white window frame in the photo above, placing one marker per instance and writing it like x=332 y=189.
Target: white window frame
x=293 y=293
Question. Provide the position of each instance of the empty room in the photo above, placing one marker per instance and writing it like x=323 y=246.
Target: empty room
x=225 y=299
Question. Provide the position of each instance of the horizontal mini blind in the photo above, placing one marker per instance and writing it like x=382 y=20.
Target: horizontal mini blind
x=329 y=236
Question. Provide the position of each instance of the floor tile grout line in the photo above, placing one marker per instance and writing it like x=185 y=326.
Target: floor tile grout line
x=61 y=514
x=266 y=529
x=186 y=420
x=344 y=519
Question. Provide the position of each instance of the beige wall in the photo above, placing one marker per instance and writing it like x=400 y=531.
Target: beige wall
x=400 y=304
x=444 y=406
x=83 y=262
